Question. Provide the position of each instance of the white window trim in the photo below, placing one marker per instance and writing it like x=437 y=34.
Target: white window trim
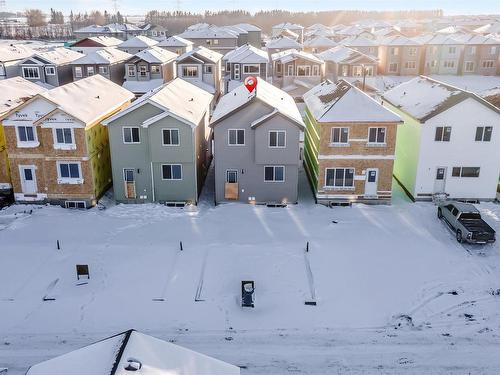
x=380 y=144
x=274 y=174
x=205 y=68
x=269 y=138
x=237 y=144
x=315 y=71
x=153 y=67
x=78 y=72
x=391 y=70
x=333 y=187
x=75 y=202
x=171 y=179
x=104 y=69
x=488 y=61
x=289 y=70
x=339 y=144
x=251 y=65
x=50 y=67
x=64 y=146
x=31 y=67
x=132 y=142
x=469 y=70
x=69 y=180
x=237 y=175
x=178 y=137
x=305 y=67
x=190 y=66
x=131 y=69
x=27 y=144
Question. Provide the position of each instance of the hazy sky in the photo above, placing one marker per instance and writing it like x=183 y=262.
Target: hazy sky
x=142 y=6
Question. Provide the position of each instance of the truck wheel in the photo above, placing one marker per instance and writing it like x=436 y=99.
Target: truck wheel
x=459 y=236
x=440 y=213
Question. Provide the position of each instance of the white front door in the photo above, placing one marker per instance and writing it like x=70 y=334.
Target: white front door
x=440 y=181
x=28 y=179
x=371 y=182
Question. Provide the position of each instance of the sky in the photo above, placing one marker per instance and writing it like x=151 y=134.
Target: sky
x=130 y=7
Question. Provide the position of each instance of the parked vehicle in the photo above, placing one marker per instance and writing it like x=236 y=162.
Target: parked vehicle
x=465 y=220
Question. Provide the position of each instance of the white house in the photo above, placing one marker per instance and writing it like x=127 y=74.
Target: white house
x=449 y=142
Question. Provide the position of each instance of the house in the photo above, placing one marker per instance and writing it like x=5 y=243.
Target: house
x=137 y=44
x=399 y=55
x=248 y=34
x=10 y=56
x=202 y=67
x=216 y=38
x=157 y=32
x=108 y=62
x=256 y=146
x=149 y=69
x=318 y=44
x=297 y=71
x=58 y=151
x=13 y=92
x=176 y=44
x=243 y=62
x=481 y=55
x=349 y=145
x=51 y=67
x=449 y=142
x=116 y=30
x=365 y=45
x=133 y=351
x=278 y=29
x=161 y=145
x=352 y=32
x=341 y=61
x=95 y=43
x=442 y=54
x=280 y=44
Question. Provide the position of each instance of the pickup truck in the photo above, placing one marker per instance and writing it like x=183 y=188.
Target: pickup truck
x=465 y=220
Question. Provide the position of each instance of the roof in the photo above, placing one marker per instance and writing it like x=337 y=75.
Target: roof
x=201 y=52
x=277 y=99
x=178 y=98
x=16 y=90
x=358 y=41
x=112 y=28
x=13 y=52
x=423 y=98
x=246 y=54
x=343 y=102
x=319 y=41
x=103 y=56
x=139 y=41
x=247 y=27
x=175 y=41
x=343 y=54
x=491 y=28
x=289 y=26
x=96 y=97
x=59 y=56
x=105 y=41
x=141 y=87
x=156 y=55
x=209 y=32
x=398 y=40
x=283 y=42
x=293 y=54
x=112 y=355
x=475 y=39
x=438 y=39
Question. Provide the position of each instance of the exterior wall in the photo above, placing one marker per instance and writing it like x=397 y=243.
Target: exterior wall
x=478 y=54
x=213 y=79
x=132 y=50
x=262 y=74
x=116 y=72
x=178 y=50
x=404 y=56
x=440 y=54
x=5 y=180
x=311 y=149
x=254 y=38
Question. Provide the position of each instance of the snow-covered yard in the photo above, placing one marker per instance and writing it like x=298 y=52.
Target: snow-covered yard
x=371 y=267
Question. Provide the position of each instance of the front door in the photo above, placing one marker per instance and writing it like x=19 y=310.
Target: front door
x=28 y=179
x=129 y=179
x=371 y=182
x=231 y=186
x=440 y=181
x=237 y=71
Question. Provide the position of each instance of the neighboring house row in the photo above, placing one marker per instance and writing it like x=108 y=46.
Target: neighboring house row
x=121 y=31
x=95 y=43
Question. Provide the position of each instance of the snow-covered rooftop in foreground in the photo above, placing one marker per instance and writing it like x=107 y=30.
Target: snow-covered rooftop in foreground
x=342 y=102
x=16 y=90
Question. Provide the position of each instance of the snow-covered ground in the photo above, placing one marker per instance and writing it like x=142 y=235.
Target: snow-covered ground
x=372 y=268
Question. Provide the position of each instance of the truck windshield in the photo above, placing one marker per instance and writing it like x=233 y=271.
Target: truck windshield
x=470 y=215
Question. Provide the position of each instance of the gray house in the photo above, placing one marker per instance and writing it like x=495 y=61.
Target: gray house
x=216 y=38
x=256 y=146
x=248 y=34
x=51 y=67
x=109 y=62
x=243 y=62
x=341 y=61
x=137 y=44
x=176 y=44
x=160 y=145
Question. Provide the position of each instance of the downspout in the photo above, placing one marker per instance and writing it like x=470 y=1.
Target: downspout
x=152 y=183
x=196 y=150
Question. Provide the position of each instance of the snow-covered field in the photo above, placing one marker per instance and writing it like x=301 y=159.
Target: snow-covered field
x=371 y=271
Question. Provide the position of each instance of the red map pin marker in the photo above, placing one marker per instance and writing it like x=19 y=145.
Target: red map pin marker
x=250 y=83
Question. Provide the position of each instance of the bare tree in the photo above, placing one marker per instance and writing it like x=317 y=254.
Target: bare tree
x=35 y=17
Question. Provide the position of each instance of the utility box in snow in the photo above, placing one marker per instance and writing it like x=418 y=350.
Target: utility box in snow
x=82 y=270
x=248 y=293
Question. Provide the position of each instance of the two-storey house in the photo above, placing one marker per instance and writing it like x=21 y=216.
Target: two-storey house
x=449 y=142
x=161 y=145
x=277 y=30
x=58 y=151
x=365 y=45
x=176 y=44
x=349 y=145
x=442 y=54
x=341 y=61
x=216 y=38
x=481 y=55
x=243 y=62
x=280 y=44
x=399 y=55
x=256 y=146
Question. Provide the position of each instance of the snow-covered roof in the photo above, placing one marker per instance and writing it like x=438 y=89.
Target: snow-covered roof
x=289 y=26
x=140 y=87
x=453 y=29
x=423 y=97
x=398 y=40
x=247 y=27
x=175 y=41
x=358 y=41
x=105 y=41
x=342 y=54
x=475 y=39
x=491 y=28
x=59 y=56
x=112 y=356
x=209 y=32
x=203 y=53
x=278 y=99
x=438 y=39
x=247 y=54
x=112 y=28
x=293 y=54
x=103 y=56
x=13 y=52
x=16 y=90
x=283 y=42
x=319 y=41
x=343 y=102
x=96 y=97
x=156 y=55
x=139 y=41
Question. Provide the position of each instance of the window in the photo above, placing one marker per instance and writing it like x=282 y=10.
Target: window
x=171 y=171
x=63 y=136
x=278 y=67
x=190 y=71
x=393 y=67
x=155 y=69
x=303 y=70
x=357 y=71
x=433 y=63
x=394 y=51
x=131 y=70
x=488 y=64
x=208 y=69
x=410 y=65
x=274 y=173
x=216 y=41
x=469 y=66
x=339 y=177
x=472 y=50
x=50 y=70
x=26 y=133
x=449 y=63
x=443 y=134
x=31 y=72
x=131 y=135
x=376 y=135
x=452 y=50
x=69 y=172
x=128 y=175
x=483 y=133
x=236 y=137
x=340 y=136
x=465 y=171
x=143 y=70
x=251 y=68
x=277 y=138
x=290 y=70
x=171 y=137
x=228 y=66
x=103 y=70
x=412 y=51
x=493 y=50
x=316 y=70
x=208 y=42
x=231 y=176
x=345 y=70
x=75 y=204
x=90 y=71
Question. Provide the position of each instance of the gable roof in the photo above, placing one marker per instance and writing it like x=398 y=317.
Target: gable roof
x=139 y=41
x=344 y=55
x=491 y=28
x=58 y=56
x=208 y=32
x=265 y=92
x=319 y=41
x=202 y=53
x=283 y=42
x=358 y=41
x=103 y=56
x=111 y=356
x=288 y=25
x=15 y=91
x=293 y=54
x=105 y=41
x=14 y=52
x=175 y=41
x=423 y=97
x=247 y=27
x=343 y=102
x=246 y=54
x=155 y=55
x=178 y=98
x=398 y=40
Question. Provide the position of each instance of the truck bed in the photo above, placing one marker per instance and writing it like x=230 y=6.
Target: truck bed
x=479 y=228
